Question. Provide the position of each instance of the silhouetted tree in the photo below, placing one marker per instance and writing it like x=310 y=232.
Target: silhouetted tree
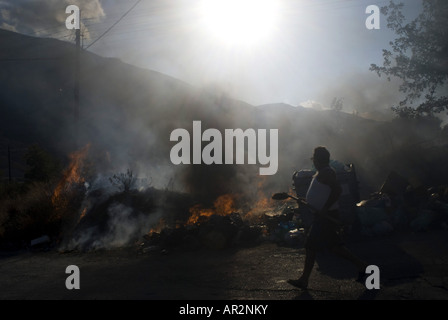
x=419 y=57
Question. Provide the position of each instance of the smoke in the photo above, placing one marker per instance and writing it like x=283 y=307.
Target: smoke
x=46 y=17
x=365 y=94
x=124 y=224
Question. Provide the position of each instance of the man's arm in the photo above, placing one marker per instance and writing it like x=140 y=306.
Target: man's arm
x=328 y=176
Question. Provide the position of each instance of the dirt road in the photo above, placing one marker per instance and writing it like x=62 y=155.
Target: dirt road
x=412 y=265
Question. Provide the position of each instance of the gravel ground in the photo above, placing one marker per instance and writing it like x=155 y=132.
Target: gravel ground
x=413 y=266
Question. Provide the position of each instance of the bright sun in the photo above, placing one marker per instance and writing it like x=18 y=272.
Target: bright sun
x=239 y=22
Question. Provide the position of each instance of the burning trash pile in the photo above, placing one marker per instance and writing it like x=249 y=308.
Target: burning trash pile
x=92 y=207
x=121 y=210
x=160 y=220
x=99 y=211
x=222 y=226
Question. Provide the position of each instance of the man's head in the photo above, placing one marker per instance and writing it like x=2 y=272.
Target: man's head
x=321 y=157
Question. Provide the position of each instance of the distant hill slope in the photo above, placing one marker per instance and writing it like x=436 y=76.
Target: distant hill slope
x=37 y=82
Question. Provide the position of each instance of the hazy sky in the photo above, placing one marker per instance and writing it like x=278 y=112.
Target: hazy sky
x=305 y=50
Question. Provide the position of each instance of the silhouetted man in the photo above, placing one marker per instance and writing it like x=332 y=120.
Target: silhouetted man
x=323 y=194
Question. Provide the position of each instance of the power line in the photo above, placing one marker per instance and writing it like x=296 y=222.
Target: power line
x=110 y=28
x=31 y=59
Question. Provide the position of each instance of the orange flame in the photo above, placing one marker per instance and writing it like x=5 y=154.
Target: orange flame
x=223 y=205
x=72 y=175
x=263 y=204
x=158 y=227
x=83 y=213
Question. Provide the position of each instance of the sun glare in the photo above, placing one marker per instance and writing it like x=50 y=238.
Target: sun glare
x=239 y=22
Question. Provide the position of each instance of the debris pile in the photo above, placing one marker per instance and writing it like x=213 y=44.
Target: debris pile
x=401 y=206
x=213 y=232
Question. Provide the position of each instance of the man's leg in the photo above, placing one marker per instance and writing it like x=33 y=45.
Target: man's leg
x=310 y=258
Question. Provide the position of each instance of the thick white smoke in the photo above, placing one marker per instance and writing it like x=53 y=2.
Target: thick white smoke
x=124 y=225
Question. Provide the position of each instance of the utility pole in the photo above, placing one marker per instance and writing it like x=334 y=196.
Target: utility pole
x=9 y=164
x=77 y=65
x=77 y=76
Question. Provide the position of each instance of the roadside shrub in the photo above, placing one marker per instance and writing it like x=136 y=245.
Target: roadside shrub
x=37 y=212
x=27 y=215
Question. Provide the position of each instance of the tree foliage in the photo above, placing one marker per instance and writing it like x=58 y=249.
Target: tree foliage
x=419 y=57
